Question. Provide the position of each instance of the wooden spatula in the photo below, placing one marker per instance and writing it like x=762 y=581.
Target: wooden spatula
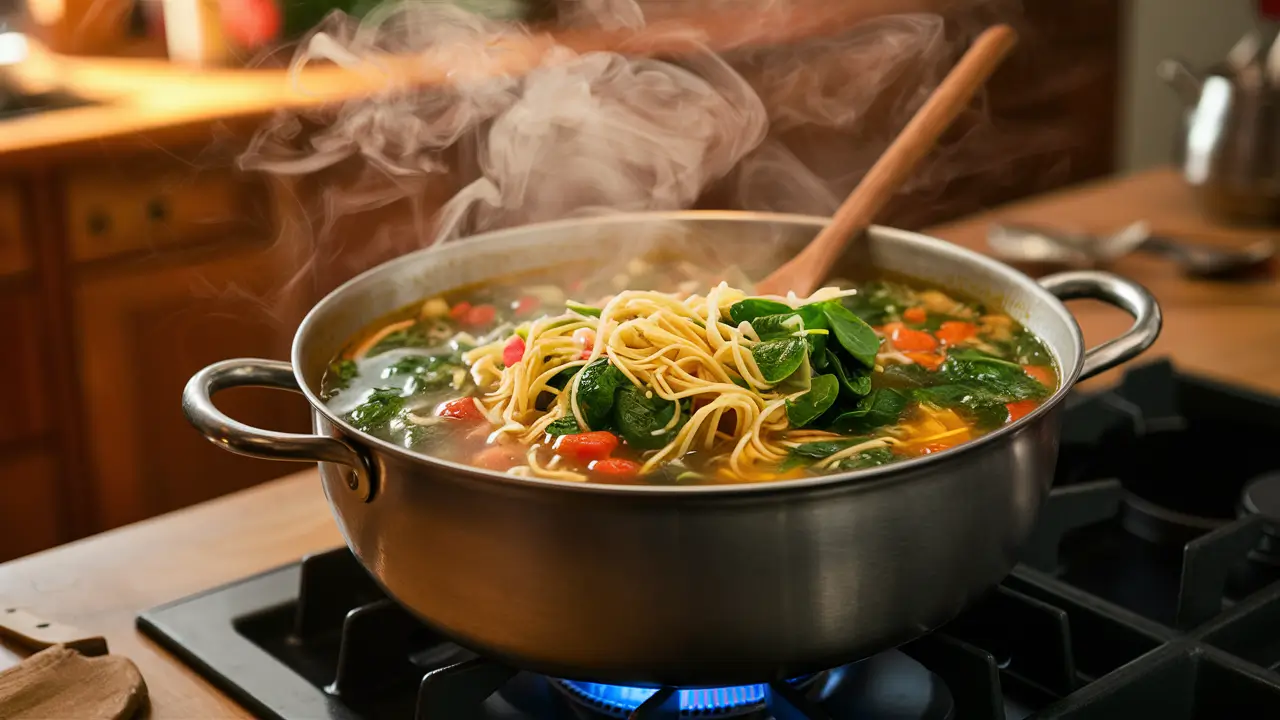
x=803 y=273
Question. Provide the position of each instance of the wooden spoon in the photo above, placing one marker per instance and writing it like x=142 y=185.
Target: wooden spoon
x=807 y=269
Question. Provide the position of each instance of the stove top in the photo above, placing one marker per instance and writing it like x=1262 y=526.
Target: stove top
x=1151 y=588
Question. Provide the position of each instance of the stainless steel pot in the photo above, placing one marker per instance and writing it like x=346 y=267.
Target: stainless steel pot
x=679 y=585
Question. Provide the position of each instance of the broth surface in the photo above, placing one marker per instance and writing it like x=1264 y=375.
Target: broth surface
x=860 y=377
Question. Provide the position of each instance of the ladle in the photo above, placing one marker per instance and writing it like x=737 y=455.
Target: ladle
x=802 y=273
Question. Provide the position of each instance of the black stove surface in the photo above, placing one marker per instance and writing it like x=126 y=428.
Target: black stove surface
x=1151 y=588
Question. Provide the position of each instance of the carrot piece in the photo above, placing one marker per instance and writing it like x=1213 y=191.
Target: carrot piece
x=1045 y=375
x=459 y=311
x=460 y=409
x=954 y=333
x=616 y=467
x=926 y=360
x=915 y=315
x=481 y=315
x=1020 y=409
x=908 y=340
x=526 y=304
x=586 y=447
x=496 y=457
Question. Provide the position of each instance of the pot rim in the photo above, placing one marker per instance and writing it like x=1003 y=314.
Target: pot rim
x=864 y=479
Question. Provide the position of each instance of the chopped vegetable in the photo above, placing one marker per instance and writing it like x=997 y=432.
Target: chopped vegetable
x=616 y=468
x=954 y=333
x=586 y=447
x=377 y=411
x=908 y=340
x=497 y=457
x=513 y=353
x=481 y=315
x=915 y=315
x=460 y=409
x=778 y=359
x=1020 y=409
x=1044 y=375
x=926 y=360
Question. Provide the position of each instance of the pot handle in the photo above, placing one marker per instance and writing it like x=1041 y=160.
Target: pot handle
x=236 y=437
x=1124 y=294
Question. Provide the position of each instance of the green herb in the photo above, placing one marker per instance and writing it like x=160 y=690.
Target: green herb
x=911 y=376
x=638 y=417
x=377 y=411
x=854 y=335
x=581 y=309
x=1027 y=349
x=873 y=457
x=567 y=425
x=825 y=448
x=426 y=372
x=854 y=382
x=409 y=337
x=995 y=377
x=561 y=379
x=778 y=359
x=740 y=382
x=752 y=308
x=415 y=434
x=340 y=375
x=877 y=302
x=884 y=406
x=986 y=408
x=595 y=390
x=771 y=327
x=823 y=390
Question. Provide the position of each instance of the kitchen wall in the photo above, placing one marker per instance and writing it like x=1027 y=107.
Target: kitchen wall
x=1198 y=31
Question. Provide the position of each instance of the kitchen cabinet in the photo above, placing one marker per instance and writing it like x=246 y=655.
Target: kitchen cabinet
x=29 y=510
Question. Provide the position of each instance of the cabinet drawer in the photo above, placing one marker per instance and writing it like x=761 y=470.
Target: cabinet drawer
x=14 y=255
x=29 y=514
x=115 y=210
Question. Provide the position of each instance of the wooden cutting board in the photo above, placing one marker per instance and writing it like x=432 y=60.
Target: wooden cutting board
x=71 y=676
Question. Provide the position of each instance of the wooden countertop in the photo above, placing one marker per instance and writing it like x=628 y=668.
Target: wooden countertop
x=101 y=583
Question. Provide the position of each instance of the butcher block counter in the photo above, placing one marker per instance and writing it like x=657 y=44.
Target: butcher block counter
x=100 y=584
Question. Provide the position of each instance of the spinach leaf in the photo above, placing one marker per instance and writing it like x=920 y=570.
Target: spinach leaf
x=854 y=382
x=825 y=448
x=581 y=309
x=823 y=390
x=638 y=417
x=752 y=308
x=426 y=372
x=771 y=327
x=910 y=376
x=884 y=406
x=874 y=457
x=877 y=302
x=409 y=337
x=1000 y=379
x=567 y=425
x=595 y=391
x=854 y=335
x=562 y=378
x=778 y=359
x=1027 y=349
x=377 y=411
x=985 y=407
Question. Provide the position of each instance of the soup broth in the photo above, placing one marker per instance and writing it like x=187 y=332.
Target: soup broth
x=653 y=376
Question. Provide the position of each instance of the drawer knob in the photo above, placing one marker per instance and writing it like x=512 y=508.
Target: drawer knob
x=98 y=222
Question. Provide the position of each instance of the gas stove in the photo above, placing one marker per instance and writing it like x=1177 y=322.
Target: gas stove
x=1150 y=588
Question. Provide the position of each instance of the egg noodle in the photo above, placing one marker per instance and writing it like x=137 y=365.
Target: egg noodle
x=677 y=349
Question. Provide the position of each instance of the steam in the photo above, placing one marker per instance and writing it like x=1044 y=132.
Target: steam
x=526 y=129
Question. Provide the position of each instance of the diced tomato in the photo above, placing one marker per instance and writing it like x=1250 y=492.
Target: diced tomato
x=915 y=315
x=526 y=304
x=584 y=355
x=513 y=353
x=1020 y=409
x=460 y=409
x=459 y=311
x=616 y=467
x=1045 y=375
x=935 y=447
x=928 y=361
x=586 y=447
x=496 y=457
x=954 y=333
x=481 y=315
x=908 y=340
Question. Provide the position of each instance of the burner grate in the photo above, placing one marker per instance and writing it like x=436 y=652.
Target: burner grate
x=1135 y=599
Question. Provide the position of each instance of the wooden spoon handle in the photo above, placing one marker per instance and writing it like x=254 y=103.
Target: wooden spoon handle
x=802 y=273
